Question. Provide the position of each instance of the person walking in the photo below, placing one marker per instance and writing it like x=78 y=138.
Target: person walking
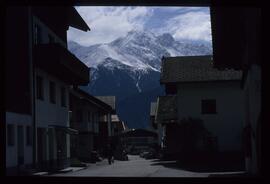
x=110 y=154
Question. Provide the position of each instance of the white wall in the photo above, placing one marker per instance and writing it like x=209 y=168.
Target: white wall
x=227 y=124
x=11 y=151
x=48 y=113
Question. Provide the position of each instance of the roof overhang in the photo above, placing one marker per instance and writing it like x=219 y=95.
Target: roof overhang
x=86 y=97
x=236 y=36
x=57 y=60
x=75 y=20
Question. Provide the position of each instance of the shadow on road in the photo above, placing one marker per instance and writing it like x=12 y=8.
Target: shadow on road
x=202 y=167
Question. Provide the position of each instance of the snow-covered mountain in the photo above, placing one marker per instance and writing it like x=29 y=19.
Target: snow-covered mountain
x=138 y=50
x=128 y=68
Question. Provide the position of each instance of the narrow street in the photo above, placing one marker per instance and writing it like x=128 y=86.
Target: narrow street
x=135 y=167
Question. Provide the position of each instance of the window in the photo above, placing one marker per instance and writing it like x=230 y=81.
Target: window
x=52 y=92
x=209 y=106
x=79 y=115
x=93 y=121
x=28 y=136
x=89 y=116
x=51 y=39
x=37 y=34
x=40 y=88
x=63 y=97
x=10 y=135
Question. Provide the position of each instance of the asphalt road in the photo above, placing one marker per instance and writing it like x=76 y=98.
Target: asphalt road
x=135 y=167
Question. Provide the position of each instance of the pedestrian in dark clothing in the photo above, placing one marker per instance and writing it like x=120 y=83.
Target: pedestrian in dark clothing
x=109 y=154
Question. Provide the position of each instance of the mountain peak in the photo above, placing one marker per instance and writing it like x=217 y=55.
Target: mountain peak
x=139 y=50
x=165 y=39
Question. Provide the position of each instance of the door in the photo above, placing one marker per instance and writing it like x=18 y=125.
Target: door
x=51 y=146
x=20 y=145
x=41 y=146
x=61 y=148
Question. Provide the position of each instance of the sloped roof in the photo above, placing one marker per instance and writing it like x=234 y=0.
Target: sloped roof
x=194 y=69
x=91 y=99
x=110 y=100
x=76 y=21
x=153 y=108
x=166 y=109
x=115 y=118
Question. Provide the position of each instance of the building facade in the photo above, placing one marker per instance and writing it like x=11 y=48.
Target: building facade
x=37 y=111
x=204 y=93
x=243 y=26
x=136 y=140
x=87 y=114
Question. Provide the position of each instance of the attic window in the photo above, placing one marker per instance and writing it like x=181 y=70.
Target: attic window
x=209 y=106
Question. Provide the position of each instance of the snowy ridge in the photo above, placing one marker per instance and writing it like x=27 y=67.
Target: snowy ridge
x=138 y=50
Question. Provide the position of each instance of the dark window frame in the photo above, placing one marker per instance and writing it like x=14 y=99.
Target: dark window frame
x=79 y=115
x=208 y=106
x=93 y=121
x=11 y=134
x=29 y=136
x=40 y=88
x=63 y=97
x=37 y=34
x=52 y=93
x=89 y=116
x=51 y=38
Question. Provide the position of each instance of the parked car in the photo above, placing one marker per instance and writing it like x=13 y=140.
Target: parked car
x=150 y=154
x=134 y=151
x=95 y=157
x=121 y=155
x=143 y=153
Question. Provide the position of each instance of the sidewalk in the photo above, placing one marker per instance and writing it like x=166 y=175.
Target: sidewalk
x=75 y=169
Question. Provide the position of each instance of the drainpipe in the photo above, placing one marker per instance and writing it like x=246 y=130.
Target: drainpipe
x=33 y=85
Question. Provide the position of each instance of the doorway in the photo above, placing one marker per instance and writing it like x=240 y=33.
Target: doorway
x=20 y=145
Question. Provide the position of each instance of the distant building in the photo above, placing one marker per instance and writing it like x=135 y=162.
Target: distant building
x=117 y=124
x=138 y=139
x=153 y=108
x=166 y=120
x=39 y=70
x=111 y=101
x=196 y=90
x=242 y=39
x=87 y=112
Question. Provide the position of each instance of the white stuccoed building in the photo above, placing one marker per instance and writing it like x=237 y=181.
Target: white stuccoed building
x=205 y=93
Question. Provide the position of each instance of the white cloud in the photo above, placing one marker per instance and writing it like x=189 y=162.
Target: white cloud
x=108 y=23
x=192 y=25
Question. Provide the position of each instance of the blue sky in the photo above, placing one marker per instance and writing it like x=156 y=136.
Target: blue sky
x=109 y=23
